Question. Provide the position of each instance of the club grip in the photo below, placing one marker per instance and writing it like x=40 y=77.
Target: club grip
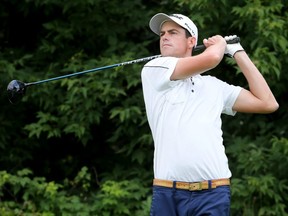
x=202 y=47
x=234 y=40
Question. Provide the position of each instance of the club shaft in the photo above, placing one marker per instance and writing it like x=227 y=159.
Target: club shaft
x=94 y=70
x=197 y=48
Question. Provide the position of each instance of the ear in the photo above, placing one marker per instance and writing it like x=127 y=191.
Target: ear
x=191 y=42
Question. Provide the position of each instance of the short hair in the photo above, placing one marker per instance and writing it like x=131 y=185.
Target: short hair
x=187 y=33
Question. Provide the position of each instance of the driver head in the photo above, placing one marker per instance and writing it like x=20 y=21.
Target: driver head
x=15 y=91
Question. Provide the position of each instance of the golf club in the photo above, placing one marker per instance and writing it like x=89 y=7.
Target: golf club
x=16 y=89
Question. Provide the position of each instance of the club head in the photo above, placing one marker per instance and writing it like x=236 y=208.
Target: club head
x=15 y=91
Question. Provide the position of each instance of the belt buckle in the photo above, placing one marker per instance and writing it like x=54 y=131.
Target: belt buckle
x=195 y=186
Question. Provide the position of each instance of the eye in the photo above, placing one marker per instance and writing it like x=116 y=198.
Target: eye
x=173 y=32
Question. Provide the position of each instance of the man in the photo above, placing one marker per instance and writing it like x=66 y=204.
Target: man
x=184 y=107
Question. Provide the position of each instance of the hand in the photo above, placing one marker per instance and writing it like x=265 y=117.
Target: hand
x=231 y=49
x=214 y=40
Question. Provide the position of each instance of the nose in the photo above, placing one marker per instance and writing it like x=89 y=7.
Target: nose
x=164 y=36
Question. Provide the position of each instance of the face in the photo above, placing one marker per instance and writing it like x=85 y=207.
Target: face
x=173 y=41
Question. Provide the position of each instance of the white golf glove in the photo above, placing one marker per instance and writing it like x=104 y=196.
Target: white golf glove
x=231 y=49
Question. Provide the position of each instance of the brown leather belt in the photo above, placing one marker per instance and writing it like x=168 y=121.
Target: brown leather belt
x=194 y=186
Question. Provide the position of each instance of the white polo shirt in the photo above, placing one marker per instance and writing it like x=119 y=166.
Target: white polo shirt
x=185 y=120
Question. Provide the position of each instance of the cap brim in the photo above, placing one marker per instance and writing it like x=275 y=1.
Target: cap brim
x=156 y=21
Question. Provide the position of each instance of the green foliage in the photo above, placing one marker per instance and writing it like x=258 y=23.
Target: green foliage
x=260 y=185
x=98 y=120
x=268 y=23
x=123 y=198
x=21 y=194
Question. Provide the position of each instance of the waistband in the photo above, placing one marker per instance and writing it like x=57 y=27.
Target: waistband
x=193 y=186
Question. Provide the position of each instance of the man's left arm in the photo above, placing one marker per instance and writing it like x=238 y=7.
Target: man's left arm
x=259 y=98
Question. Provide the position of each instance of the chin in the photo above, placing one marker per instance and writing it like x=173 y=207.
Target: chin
x=167 y=54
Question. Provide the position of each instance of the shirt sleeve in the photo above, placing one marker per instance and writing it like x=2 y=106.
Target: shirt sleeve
x=159 y=71
x=231 y=94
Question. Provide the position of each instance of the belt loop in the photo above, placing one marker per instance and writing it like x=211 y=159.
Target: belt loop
x=174 y=185
x=209 y=184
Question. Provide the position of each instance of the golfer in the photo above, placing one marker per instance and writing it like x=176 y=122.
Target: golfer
x=184 y=107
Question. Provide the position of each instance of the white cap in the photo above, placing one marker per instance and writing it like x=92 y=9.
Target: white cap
x=157 y=21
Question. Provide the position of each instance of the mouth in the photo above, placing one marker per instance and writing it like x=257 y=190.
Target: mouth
x=166 y=45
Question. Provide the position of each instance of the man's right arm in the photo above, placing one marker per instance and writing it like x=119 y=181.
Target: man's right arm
x=210 y=58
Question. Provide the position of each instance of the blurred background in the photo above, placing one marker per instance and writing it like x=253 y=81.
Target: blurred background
x=82 y=146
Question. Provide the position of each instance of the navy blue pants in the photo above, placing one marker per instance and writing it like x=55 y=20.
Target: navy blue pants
x=176 y=202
